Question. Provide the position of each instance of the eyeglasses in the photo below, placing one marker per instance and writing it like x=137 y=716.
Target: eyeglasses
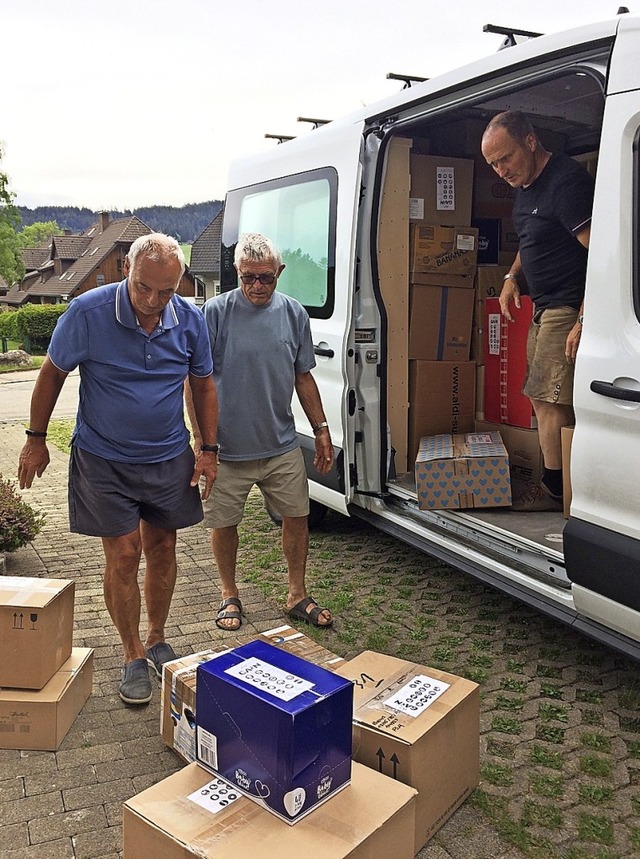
x=265 y=279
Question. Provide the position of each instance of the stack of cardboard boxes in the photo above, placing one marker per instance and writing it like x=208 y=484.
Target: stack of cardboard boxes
x=466 y=363
x=443 y=252
x=412 y=731
x=44 y=680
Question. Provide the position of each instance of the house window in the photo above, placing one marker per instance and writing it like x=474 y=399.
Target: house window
x=99 y=280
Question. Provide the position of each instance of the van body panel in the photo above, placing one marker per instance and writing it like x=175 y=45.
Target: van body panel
x=581 y=90
x=339 y=152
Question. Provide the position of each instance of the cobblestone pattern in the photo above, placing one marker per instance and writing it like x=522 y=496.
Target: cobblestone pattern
x=560 y=715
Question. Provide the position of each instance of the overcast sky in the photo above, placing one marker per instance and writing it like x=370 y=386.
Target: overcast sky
x=131 y=103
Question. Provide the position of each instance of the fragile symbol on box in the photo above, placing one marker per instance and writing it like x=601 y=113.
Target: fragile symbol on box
x=215 y=796
x=416 y=695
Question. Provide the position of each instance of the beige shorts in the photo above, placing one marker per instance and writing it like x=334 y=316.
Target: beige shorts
x=281 y=479
x=549 y=375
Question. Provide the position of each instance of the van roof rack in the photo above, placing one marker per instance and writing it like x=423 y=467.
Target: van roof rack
x=281 y=137
x=408 y=79
x=315 y=122
x=510 y=34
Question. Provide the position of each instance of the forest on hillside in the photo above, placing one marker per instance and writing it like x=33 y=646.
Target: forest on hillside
x=184 y=222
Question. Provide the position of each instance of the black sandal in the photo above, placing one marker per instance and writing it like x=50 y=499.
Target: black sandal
x=223 y=614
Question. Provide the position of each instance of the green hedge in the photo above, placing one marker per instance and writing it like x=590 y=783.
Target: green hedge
x=36 y=322
x=9 y=325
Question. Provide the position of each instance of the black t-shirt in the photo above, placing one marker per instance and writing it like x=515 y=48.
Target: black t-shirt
x=547 y=216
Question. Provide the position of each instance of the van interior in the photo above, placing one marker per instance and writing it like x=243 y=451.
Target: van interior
x=564 y=101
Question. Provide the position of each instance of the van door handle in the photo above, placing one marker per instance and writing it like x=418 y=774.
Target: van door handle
x=320 y=350
x=607 y=389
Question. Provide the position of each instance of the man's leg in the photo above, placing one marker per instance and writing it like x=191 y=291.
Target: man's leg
x=159 y=549
x=224 y=543
x=121 y=590
x=551 y=418
x=295 y=547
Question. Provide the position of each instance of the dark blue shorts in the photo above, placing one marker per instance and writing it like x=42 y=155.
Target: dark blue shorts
x=108 y=499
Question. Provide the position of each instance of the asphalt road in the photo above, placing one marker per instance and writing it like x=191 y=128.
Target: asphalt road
x=15 y=395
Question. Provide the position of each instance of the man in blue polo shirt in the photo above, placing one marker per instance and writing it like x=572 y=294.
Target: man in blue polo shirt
x=132 y=473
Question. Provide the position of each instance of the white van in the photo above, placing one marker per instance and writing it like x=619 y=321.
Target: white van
x=342 y=200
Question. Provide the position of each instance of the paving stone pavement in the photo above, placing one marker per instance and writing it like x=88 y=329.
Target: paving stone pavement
x=560 y=715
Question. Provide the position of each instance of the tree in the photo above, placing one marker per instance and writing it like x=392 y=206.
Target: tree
x=11 y=266
x=34 y=235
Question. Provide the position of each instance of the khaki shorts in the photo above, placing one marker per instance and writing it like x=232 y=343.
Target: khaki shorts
x=549 y=375
x=281 y=479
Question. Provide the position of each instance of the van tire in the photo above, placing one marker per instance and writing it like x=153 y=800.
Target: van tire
x=317 y=512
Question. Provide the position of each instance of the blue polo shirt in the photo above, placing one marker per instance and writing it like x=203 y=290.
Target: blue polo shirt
x=131 y=383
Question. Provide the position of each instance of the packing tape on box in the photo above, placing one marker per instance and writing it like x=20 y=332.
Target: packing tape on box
x=27 y=588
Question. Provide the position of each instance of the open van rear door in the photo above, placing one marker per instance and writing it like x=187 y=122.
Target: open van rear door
x=602 y=537
x=304 y=195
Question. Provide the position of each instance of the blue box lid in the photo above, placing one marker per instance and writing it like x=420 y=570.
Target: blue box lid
x=274 y=676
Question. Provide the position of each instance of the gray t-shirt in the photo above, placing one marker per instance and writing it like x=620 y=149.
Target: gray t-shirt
x=256 y=353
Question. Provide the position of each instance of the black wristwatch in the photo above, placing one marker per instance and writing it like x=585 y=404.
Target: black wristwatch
x=210 y=448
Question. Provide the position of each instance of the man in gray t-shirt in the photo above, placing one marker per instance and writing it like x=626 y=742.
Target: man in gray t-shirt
x=262 y=351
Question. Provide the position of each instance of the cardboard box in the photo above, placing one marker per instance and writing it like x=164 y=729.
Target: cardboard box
x=464 y=470
x=440 y=323
x=441 y=190
x=276 y=726
x=450 y=250
x=420 y=726
x=566 y=437
x=441 y=399
x=488 y=283
x=428 y=278
x=178 y=696
x=489 y=239
x=182 y=817
x=505 y=362
x=36 y=629
x=40 y=719
x=523 y=447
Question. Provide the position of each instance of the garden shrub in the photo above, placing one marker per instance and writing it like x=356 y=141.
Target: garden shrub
x=19 y=523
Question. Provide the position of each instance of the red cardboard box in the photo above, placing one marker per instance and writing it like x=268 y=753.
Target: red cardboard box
x=505 y=363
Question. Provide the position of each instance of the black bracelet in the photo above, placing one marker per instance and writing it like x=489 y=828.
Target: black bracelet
x=36 y=433
x=210 y=448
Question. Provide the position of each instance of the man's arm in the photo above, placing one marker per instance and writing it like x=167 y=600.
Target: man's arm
x=573 y=337
x=201 y=398
x=510 y=289
x=34 y=456
x=309 y=397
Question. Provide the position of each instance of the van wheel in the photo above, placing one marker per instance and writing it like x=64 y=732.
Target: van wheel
x=317 y=512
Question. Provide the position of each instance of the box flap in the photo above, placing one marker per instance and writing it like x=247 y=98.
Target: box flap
x=389 y=690
x=29 y=592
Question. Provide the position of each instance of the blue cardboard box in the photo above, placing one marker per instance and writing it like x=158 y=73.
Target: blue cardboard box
x=276 y=726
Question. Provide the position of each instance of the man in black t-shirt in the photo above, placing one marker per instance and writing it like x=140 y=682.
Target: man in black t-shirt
x=552 y=215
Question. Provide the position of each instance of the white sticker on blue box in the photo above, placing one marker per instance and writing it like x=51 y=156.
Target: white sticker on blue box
x=416 y=695
x=268 y=678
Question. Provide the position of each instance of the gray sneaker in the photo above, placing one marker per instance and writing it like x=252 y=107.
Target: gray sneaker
x=158 y=654
x=135 y=685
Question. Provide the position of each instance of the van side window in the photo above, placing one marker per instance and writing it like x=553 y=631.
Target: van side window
x=298 y=213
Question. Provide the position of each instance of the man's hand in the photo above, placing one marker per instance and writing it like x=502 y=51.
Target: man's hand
x=323 y=458
x=33 y=459
x=573 y=341
x=206 y=466
x=510 y=292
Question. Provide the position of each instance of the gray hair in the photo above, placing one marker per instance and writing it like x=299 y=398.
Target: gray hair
x=157 y=247
x=514 y=122
x=257 y=248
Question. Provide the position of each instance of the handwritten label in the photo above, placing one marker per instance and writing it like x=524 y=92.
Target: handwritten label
x=268 y=678
x=416 y=695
